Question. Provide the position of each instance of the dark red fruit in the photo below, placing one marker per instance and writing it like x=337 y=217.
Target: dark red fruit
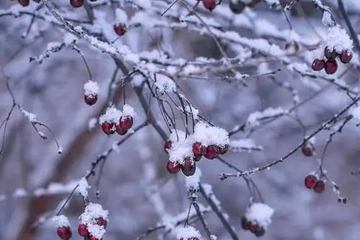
x=224 y=149
x=120 y=130
x=198 y=149
x=126 y=122
x=330 y=54
x=76 y=3
x=83 y=230
x=101 y=222
x=209 y=4
x=167 y=145
x=345 y=56
x=245 y=224
x=331 y=66
x=188 y=167
x=90 y=99
x=308 y=149
x=310 y=181
x=64 y=233
x=319 y=186
x=212 y=152
x=93 y=238
x=318 y=65
x=107 y=128
x=24 y=3
x=119 y=29
x=173 y=167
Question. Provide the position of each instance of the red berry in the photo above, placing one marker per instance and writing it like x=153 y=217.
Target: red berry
x=345 y=56
x=212 y=152
x=126 y=122
x=198 y=149
x=107 y=128
x=90 y=99
x=101 y=222
x=120 y=130
x=245 y=224
x=209 y=4
x=93 y=238
x=331 y=66
x=167 y=145
x=64 y=233
x=310 y=181
x=24 y=3
x=188 y=167
x=253 y=227
x=83 y=230
x=318 y=65
x=307 y=149
x=330 y=54
x=173 y=167
x=319 y=186
x=76 y=3
x=119 y=29
x=224 y=149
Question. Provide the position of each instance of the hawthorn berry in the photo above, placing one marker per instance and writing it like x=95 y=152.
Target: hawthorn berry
x=64 y=233
x=107 y=128
x=83 y=230
x=90 y=99
x=167 y=145
x=126 y=122
x=308 y=149
x=120 y=130
x=101 y=222
x=245 y=224
x=212 y=152
x=119 y=29
x=310 y=181
x=188 y=167
x=198 y=149
x=331 y=66
x=172 y=167
x=224 y=149
x=93 y=238
x=24 y=3
x=318 y=64
x=237 y=7
x=319 y=186
x=330 y=54
x=209 y=4
x=76 y=3
x=345 y=56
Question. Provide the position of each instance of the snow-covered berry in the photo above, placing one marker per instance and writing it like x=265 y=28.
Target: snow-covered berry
x=173 y=167
x=308 y=149
x=126 y=122
x=224 y=149
x=212 y=152
x=345 y=56
x=331 y=66
x=198 y=149
x=245 y=224
x=119 y=29
x=93 y=238
x=188 y=168
x=101 y=222
x=64 y=232
x=310 y=181
x=330 y=54
x=167 y=145
x=83 y=230
x=90 y=99
x=120 y=130
x=318 y=64
x=107 y=128
x=319 y=186
x=209 y=4
x=76 y=3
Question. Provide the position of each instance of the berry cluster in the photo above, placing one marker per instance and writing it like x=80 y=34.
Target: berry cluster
x=209 y=4
x=91 y=91
x=255 y=228
x=329 y=64
x=116 y=121
x=188 y=233
x=311 y=181
x=184 y=151
x=257 y=218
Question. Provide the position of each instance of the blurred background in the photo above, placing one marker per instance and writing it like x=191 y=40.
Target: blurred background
x=133 y=175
